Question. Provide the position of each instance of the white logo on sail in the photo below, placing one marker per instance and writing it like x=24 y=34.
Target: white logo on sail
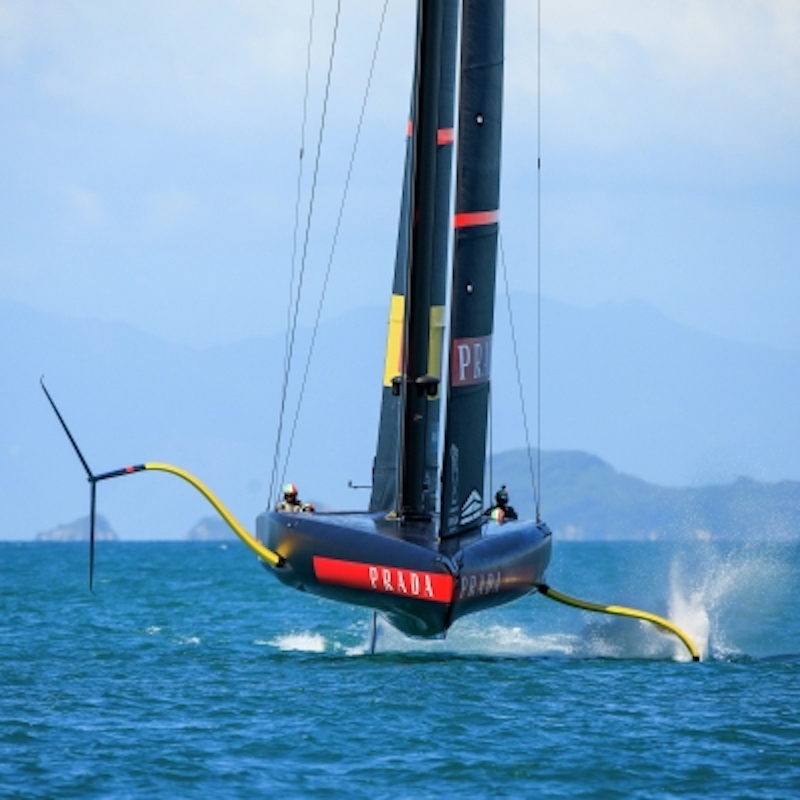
x=452 y=517
x=470 y=360
x=472 y=507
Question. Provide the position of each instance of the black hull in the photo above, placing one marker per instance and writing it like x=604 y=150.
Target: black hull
x=419 y=583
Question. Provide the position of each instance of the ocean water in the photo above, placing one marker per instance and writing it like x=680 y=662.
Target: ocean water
x=191 y=672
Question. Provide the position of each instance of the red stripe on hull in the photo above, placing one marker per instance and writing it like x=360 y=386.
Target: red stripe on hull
x=434 y=587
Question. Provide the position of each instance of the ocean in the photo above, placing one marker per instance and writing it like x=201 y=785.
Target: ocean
x=191 y=672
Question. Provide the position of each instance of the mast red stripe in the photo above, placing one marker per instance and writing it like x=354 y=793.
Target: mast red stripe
x=470 y=219
x=445 y=136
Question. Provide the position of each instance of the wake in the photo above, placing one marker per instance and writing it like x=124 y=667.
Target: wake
x=734 y=601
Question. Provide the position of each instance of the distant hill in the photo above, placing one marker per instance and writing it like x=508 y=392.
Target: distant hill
x=583 y=497
x=211 y=529
x=656 y=399
x=78 y=531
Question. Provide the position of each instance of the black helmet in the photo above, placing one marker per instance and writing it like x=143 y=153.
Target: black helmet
x=501 y=496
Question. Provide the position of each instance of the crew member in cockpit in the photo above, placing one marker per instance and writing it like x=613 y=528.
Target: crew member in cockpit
x=291 y=503
x=501 y=510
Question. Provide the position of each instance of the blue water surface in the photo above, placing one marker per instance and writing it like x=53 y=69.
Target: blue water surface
x=191 y=672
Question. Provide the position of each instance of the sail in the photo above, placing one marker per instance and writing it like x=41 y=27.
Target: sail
x=384 y=470
x=474 y=265
x=384 y=494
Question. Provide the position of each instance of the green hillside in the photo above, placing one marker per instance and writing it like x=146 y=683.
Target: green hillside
x=583 y=497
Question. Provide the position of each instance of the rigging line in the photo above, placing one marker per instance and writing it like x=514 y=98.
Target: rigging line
x=298 y=188
x=309 y=217
x=491 y=442
x=515 y=350
x=336 y=234
x=538 y=255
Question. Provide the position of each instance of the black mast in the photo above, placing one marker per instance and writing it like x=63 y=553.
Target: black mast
x=474 y=264
x=427 y=186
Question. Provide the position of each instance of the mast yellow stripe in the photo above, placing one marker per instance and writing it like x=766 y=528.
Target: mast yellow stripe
x=393 y=363
x=435 y=343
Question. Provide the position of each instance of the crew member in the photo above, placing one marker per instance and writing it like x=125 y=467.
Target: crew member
x=501 y=510
x=290 y=502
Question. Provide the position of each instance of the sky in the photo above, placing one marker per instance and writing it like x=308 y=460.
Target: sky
x=149 y=157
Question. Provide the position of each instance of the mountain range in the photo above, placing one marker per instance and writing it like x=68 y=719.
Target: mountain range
x=583 y=497
x=676 y=407
x=587 y=499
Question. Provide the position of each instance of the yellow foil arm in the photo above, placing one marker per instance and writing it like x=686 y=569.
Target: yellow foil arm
x=621 y=611
x=265 y=553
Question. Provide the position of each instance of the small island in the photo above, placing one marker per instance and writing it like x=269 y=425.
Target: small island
x=210 y=529
x=78 y=531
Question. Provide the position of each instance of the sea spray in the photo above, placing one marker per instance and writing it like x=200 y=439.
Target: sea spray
x=472 y=638
x=726 y=591
x=303 y=642
x=688 y=609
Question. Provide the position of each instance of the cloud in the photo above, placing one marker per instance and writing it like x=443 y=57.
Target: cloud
x=203 y=63
x=242 y=63
x=83 y=210
x=169 y=132
x=169 y=211
x=719 y=76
